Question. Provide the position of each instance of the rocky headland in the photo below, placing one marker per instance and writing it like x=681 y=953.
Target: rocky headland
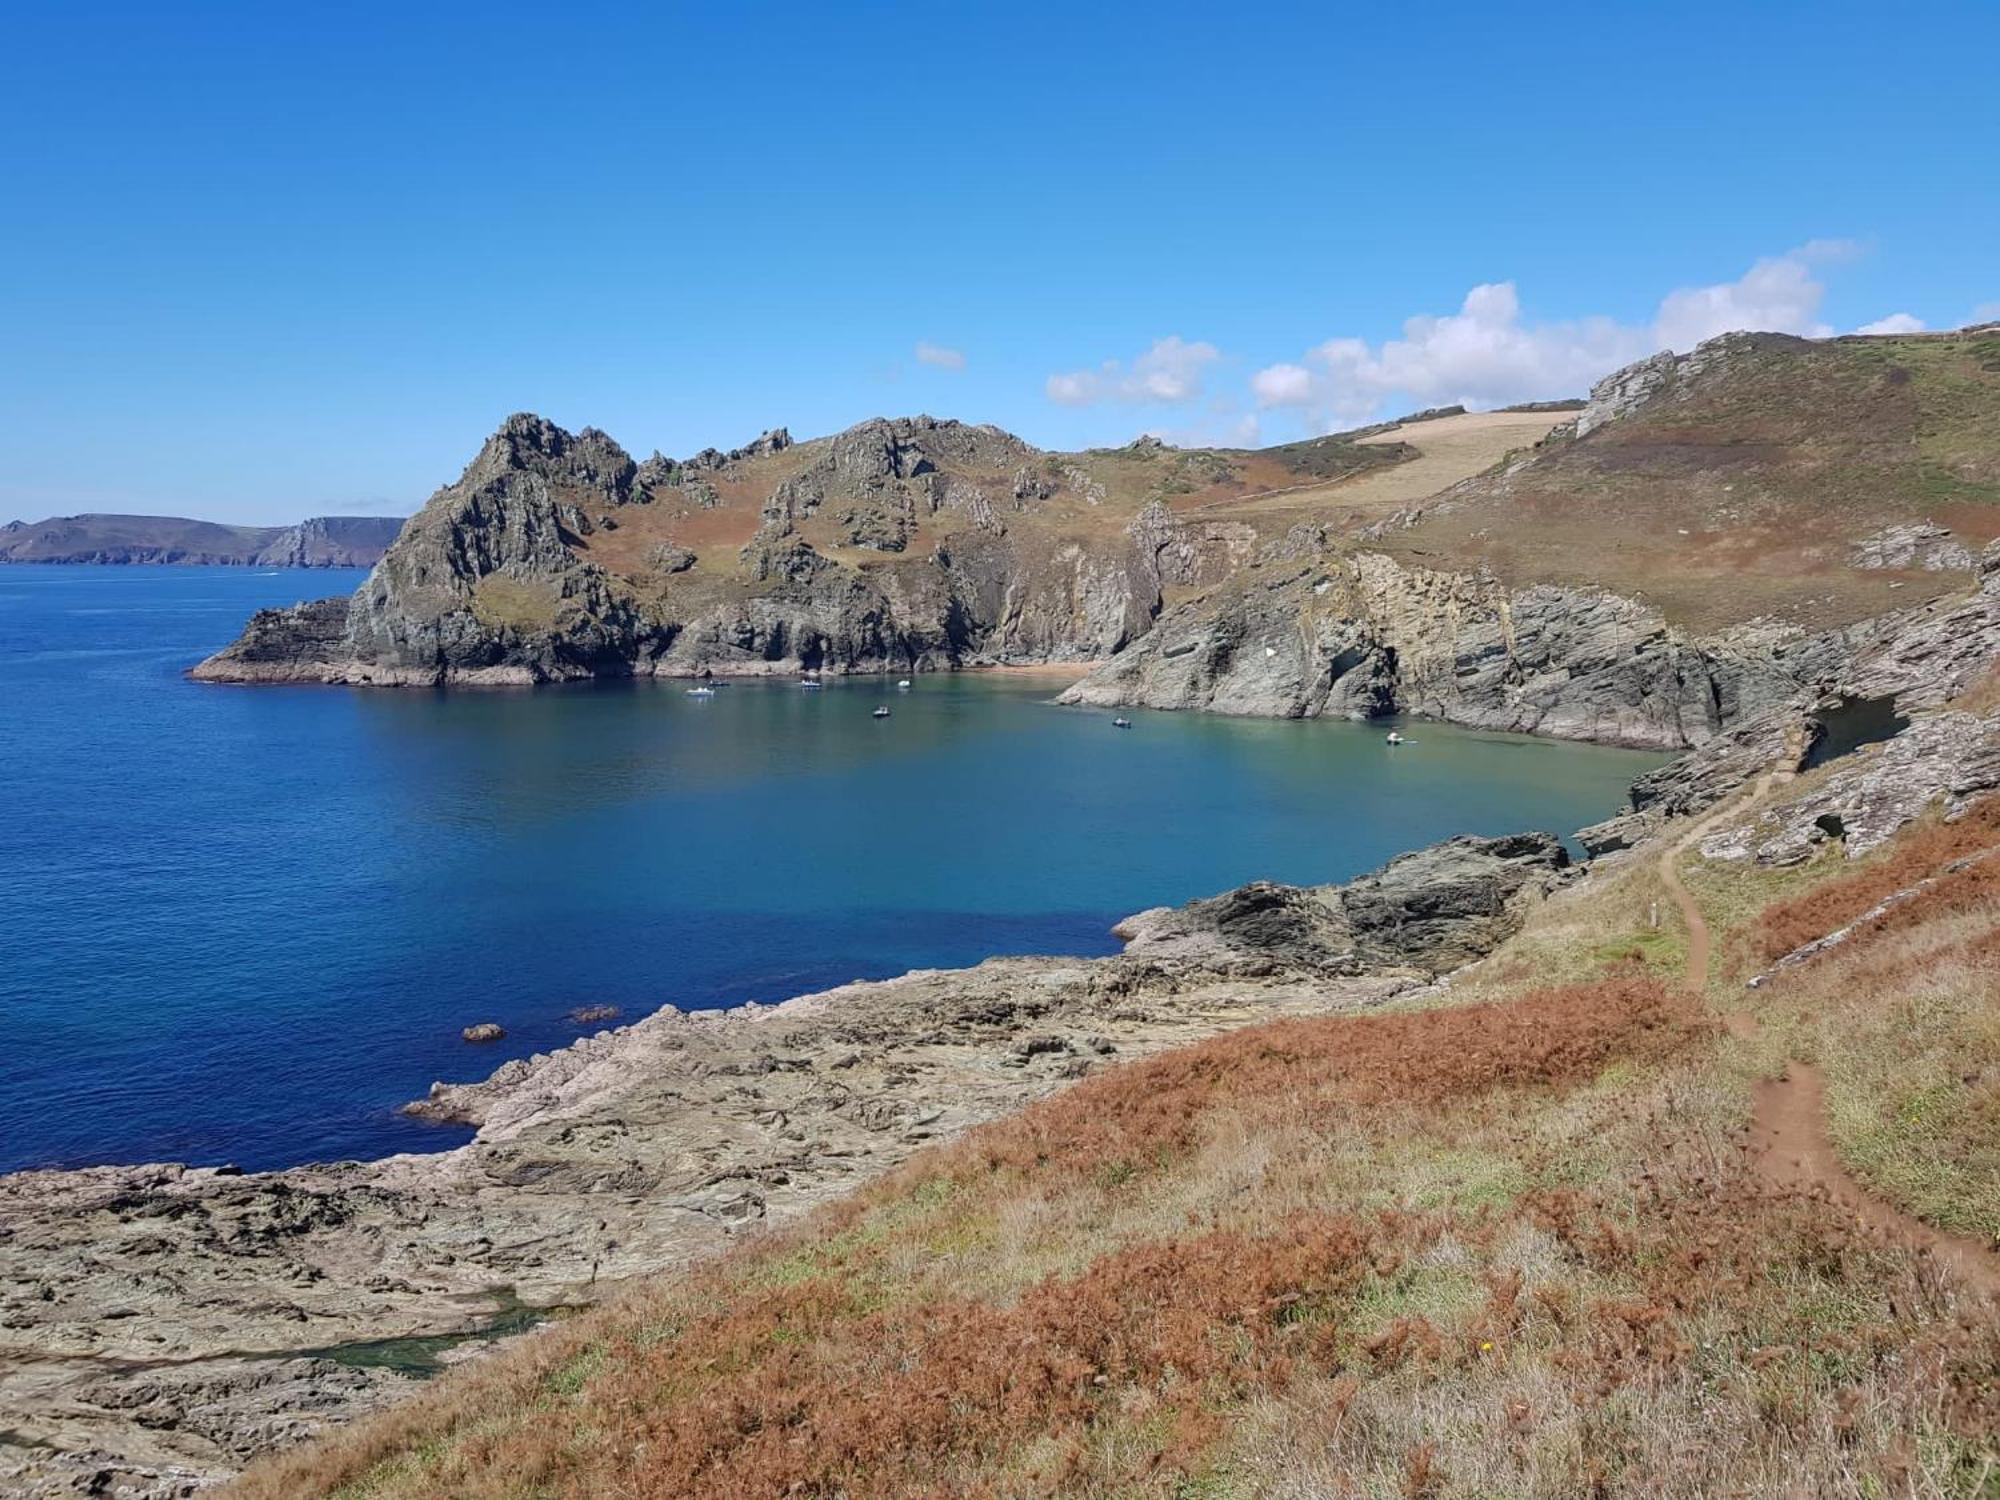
x=1645 y=574
x=317 y=542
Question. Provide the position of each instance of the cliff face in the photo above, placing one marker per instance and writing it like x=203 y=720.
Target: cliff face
x=1309 y=629
x=321 y=542
x=331 y=542
x=557 y=556
x=1713 y=535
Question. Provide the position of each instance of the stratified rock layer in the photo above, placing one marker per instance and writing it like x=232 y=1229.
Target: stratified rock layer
x=1311 y=629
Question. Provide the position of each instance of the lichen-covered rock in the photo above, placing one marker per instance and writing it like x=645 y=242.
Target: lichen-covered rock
x=1914 y=544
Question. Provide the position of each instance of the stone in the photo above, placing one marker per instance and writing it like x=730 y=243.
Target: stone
x=1358 y=635
x=484 y=1031
x=1916 y=544
x=1941 y=760
x=1429 y=911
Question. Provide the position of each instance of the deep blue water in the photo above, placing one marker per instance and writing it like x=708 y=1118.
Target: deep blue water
x=244 y=924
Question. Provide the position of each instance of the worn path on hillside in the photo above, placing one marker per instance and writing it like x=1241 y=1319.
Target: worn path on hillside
x=1788 y=1135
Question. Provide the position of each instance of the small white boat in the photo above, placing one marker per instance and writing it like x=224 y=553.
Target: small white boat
x=811 y=684
x=903 y=686
x=701 y=692
x=881 y=712
x=1121 y=723
x=1393 y=739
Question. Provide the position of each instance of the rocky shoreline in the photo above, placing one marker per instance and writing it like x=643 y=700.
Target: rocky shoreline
x=159 y=1325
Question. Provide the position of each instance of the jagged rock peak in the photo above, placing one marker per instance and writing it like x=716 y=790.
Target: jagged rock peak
x=526 y=442
x=940 y=434
x=771 y=440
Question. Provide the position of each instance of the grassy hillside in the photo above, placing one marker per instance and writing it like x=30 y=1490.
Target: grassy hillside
x=1743 y=489
x=1093 y=496
x=1511 y=1241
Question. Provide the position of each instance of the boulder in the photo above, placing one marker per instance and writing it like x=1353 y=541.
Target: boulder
x=1429 y=911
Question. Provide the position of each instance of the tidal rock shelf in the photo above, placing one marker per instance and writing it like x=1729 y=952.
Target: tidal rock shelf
x=130 y=1295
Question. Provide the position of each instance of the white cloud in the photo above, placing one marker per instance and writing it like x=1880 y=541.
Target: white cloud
x=1170 y=371
x=938 y=357
x=1283 y=385
x=1482 y=355
x=1485 y=355
x=1894 y=323
x=1777 y=295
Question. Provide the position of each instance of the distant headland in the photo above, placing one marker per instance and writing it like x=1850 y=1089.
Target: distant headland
x=318 y=542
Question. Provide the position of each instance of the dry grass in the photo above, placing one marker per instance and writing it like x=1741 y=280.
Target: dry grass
x=1983 y=697
x=1449 y=449
x=1509 y=1248
x=1745 y=495
x=1921 y=854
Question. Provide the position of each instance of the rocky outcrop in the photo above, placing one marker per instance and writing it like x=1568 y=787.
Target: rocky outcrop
x=1667 y=375
x=1310 y=629
x=1909 y=666
x=1914 y=544
x=159 y=1324
x=321 y=542
x=1426 y=912
x=498 y=579
x=1941 y=762
x=303 y=643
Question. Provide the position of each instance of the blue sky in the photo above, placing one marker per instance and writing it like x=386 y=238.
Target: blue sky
x=263 y=261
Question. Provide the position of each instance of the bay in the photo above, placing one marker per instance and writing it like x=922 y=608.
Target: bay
x=245 y=924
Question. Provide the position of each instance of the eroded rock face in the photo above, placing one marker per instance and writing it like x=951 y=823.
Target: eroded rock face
x=1311 y=630
x=331 y=542
x=1913 y=665
x=1916 y=544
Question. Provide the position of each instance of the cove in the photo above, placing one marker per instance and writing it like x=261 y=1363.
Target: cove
x=245 y=924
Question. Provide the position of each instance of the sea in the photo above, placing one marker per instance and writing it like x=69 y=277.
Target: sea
x=244 y=924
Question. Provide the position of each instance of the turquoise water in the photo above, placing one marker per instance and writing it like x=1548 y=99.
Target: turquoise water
x=244 y=924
